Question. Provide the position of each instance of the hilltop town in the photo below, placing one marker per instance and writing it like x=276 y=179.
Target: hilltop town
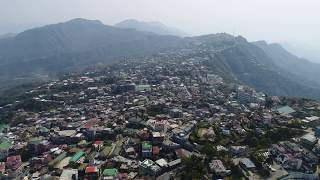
x=156 y=117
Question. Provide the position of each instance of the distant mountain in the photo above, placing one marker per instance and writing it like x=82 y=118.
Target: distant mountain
x=303 y=69
x=154 y=27
x=237 y=60
x=44 y=51
x=311 y=53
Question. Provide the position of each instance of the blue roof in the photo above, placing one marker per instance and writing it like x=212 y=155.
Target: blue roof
x=247 y=162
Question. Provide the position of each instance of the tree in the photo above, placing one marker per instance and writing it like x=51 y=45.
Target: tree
x=209 y=150
x=193 y=168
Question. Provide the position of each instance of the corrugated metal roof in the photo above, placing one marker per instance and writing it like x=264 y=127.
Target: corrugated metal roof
x=77 y=156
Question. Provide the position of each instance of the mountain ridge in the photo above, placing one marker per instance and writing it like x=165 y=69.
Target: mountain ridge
x=153 y=27
x=301 y=67
x=76 y=44
x=72 y=43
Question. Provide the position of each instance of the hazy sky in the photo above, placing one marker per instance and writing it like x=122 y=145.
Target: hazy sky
x=296 y=21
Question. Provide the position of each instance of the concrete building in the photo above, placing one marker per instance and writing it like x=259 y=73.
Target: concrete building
x=69 y=174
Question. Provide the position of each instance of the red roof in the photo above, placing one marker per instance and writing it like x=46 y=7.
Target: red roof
x=182 y=153
x=2 y=167
x=123 y=176
x=91 y=169
x=98 y=142
x=91 y=123
x=10 y=159
x=14 y=162
x=155 y=150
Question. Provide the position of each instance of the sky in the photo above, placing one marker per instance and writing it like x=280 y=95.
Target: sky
x=286 y=21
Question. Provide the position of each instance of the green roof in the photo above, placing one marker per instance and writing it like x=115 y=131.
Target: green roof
x=146 y=145
x=285 y=110
x=3 y=126
x=110 y=172
x=5 y=145
x=44 y=129
x=144 y=87
x=77 y=156
x=35 y=140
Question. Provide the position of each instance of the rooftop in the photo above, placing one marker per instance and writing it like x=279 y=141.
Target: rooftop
x=286 y=110
x=5 y=145
x=146 y=145
x=110 y=172
x=147 y=163
x=247 y=162
x=77 y=156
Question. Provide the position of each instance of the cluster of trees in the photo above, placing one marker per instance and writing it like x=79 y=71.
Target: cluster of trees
x=271 y=137
x=296 y=124
x=193 y=168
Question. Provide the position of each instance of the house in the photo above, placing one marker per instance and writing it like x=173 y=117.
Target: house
x=98 y=145
x=146 y=149
x=123 y=176
x=285 y=110
x=110 y=173
x=130 y=151
x=34 y=146
x=317 y=131
x=206 y=134
x=66 y=136
x=92 y=172
x=169 y=145
x=13 y=162
x=155 y=150
x=182 y=153
x=148 y=167
x=106 y=152
x=69 y=174
x=160 y=125
x=76 y=157
x=157 y=137
x=162 y=163
x=2 y=167
x=174 y=164
x=4 y=149
x=175 y=113
x=247 y=164
x=218 y=168
x=56 y=160
x=239 y=150
x=142 y=87
x=312 y=120
x=288 y=161
x=309 y=140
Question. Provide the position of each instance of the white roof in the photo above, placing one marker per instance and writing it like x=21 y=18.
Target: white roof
x=67 y=133
x=162 y=162
x=157 y=134
x=67 y=174
x=147 y=163
x=312 y=118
